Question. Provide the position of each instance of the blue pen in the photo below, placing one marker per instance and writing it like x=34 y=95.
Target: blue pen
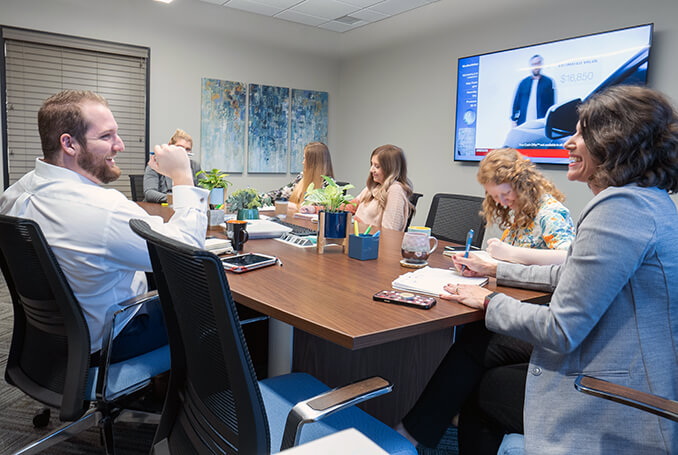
x=469 y=238
x=376 y=234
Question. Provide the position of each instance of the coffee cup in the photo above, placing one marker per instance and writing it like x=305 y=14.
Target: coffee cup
x=417 y=247
x=281 y=207
x=237 y=232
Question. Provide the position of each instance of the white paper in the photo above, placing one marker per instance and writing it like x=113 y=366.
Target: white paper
x=429 y=280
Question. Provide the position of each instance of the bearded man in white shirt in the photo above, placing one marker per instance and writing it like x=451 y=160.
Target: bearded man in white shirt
x=86 y=225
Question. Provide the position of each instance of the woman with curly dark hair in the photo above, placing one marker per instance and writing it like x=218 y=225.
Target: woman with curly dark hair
x=614 y=309
x=538 y=228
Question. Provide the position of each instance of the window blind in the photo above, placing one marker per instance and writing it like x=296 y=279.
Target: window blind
x=38 y=65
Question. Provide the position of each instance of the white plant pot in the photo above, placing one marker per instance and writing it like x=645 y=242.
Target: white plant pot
x=215 y=217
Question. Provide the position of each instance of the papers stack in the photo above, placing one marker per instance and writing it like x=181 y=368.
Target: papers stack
x=429 y=280
x=307 y=216
x=218 y=246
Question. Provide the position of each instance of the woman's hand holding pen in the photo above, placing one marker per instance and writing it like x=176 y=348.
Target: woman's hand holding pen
x=474 y=265
x=500 y=250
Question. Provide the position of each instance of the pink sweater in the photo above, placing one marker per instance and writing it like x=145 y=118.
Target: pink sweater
x=393 y=216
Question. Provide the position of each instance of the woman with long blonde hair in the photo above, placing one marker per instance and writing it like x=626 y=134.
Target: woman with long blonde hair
x=385 y=202
x=317 y=162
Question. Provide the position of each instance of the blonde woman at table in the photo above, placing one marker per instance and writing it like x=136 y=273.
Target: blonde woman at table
x=317 y=162
x=538 y=228
x=385 y=202
x=614 y=309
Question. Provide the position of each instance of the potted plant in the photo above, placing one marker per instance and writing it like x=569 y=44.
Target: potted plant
x=246 y=203
x=332 y=198
x=214 y=181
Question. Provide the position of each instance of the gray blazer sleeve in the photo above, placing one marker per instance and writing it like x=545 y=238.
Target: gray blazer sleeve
x=196 y=172
x=608 y=249
x=152 y=190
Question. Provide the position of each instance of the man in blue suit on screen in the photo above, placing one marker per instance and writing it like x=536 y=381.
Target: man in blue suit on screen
x=534 y=96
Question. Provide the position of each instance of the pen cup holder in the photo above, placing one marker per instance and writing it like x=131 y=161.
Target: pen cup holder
x=363 y=247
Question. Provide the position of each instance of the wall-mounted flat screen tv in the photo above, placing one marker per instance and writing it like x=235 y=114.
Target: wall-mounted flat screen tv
x=527 y=98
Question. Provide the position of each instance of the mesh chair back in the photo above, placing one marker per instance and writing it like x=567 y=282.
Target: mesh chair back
x=49 y=354
x=452 y=215
x=136 y=182
x=414 y=198
x=213 y=404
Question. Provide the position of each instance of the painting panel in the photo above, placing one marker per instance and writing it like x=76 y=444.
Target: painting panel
x=308 y=123
x=222 y=125
x=268 y=129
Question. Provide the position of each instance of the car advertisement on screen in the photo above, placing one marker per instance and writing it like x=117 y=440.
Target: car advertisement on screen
x=527 y=98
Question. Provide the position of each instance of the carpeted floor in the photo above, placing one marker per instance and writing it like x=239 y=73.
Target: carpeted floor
x=17 y=411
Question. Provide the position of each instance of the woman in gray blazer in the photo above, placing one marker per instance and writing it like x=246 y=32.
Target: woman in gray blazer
x=614 y=309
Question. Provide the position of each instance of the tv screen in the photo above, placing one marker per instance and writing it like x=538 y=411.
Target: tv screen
x=527 y=98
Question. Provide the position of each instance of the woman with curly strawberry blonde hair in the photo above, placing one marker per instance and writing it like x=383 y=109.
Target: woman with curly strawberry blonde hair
x=537 y=227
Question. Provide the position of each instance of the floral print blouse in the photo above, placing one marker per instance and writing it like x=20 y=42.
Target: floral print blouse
x=552 y=228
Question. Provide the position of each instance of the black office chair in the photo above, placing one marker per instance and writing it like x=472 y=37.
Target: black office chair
x=451 y=216
x=136 y=183
x=215 y=403
x=49 y=358
x=663 y=407
x=414 y=198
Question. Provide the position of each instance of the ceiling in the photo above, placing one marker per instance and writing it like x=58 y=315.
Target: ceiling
x=336 y=15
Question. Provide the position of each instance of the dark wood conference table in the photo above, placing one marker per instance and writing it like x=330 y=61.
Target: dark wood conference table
x=341 y=334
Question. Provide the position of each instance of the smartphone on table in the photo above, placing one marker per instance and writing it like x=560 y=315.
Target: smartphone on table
x=248 y=261
x=405 y=298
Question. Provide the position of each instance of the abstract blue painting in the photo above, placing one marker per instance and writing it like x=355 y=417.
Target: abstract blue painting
x=222 y=125
x=268 y=129
x=308 y=123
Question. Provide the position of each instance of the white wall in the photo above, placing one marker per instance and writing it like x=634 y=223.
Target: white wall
x=401 y=93
x=190 y=40
x=405 y=93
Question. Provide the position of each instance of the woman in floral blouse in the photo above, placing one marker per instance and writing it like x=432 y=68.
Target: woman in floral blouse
x=538 y=228
x=317 y=162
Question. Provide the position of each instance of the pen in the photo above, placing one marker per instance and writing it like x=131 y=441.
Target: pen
x=367 y=231
x=376 y=234
x=279 y=261
x=355 y=228
x=469 y=238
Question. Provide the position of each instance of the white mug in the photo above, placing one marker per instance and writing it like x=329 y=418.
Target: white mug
x=416 y=247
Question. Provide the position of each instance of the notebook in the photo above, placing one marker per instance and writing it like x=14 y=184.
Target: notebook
x=429 y=280
x=218 y=246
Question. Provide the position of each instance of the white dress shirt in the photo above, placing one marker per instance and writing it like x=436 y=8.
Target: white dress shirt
x=86 y=226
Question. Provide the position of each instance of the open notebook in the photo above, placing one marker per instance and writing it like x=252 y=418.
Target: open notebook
x=429 y=280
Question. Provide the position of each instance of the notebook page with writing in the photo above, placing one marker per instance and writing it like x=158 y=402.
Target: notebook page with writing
x=431 y=281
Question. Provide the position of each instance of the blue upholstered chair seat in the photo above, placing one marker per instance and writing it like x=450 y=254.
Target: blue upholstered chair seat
x=281 y=393
x=130 y=374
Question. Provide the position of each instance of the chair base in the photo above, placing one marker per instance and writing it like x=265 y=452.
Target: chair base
x=94 y=417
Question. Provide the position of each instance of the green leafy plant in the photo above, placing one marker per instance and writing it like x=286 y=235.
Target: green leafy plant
x=331 y=197
x=212 y=179
x=247 y=198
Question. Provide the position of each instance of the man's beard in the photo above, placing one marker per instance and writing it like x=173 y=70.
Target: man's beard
x=97 y=166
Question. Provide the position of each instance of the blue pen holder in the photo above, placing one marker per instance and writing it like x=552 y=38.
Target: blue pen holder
x=363 y=247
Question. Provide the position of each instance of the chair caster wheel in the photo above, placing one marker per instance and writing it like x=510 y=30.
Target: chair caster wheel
x=41 y=419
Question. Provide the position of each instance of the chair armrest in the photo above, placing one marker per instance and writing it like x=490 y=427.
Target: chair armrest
x=107 y=337
x=327 y=403
x=654 y=404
